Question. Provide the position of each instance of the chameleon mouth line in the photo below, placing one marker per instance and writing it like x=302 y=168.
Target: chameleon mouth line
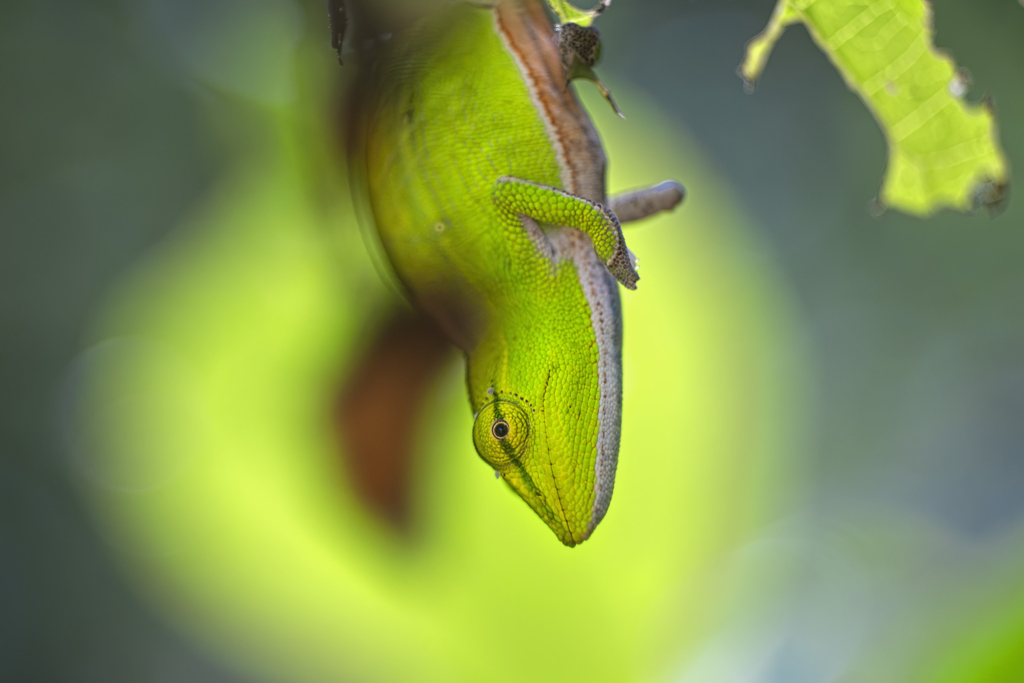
x=551 y=468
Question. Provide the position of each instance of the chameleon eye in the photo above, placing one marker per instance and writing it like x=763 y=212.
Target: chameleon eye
x=501 y=433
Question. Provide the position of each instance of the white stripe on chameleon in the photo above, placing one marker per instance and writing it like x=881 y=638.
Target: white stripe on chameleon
x=602 y=294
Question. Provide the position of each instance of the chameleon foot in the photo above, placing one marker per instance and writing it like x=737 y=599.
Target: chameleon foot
x=545 y=204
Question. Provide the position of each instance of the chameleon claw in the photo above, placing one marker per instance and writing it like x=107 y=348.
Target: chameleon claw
x=622 y=266
x=607 y=94
x=579 y=47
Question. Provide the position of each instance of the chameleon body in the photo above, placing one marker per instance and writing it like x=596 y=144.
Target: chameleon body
x=487 y=185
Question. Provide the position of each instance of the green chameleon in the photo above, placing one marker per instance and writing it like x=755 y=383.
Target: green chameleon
x=486 y=180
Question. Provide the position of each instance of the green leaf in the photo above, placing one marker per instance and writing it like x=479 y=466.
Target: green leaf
x=568 y=14
x=943 y=151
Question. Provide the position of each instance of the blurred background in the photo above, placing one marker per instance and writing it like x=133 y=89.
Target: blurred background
x=822 y=469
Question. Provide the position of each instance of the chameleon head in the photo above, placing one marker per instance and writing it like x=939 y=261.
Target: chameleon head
x=510 y=437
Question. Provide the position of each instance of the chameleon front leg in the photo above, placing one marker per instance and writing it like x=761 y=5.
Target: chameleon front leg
x=632 y=206
x=516 y=198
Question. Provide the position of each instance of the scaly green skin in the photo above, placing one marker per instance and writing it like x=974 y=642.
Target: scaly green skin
x=466 y=188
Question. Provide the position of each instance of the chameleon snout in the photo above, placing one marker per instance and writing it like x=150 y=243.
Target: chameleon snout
x=507 y=439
